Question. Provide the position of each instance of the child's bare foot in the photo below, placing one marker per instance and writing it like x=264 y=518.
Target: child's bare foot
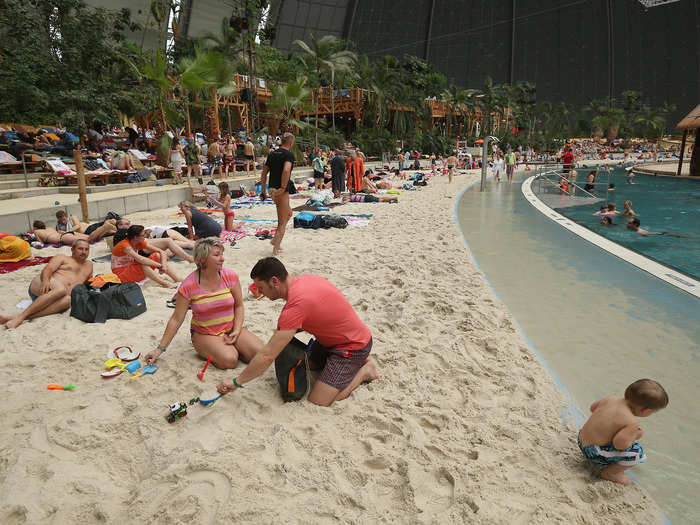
x=616 y=474
x=5 y=318
x=13 y=323
x=622 y=479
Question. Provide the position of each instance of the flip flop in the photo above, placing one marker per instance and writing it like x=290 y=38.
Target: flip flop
x=125 y=353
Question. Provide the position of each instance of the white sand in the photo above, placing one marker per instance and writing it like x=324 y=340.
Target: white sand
x=463 y=427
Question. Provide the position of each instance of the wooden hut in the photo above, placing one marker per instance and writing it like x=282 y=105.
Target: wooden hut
x=691 y=122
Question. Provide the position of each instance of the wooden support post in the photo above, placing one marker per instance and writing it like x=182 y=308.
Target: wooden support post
x=77 y=156
x=680 y=159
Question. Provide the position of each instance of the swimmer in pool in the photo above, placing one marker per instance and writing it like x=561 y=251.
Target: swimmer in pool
x=634 y=225
x=607 y=221
x=612 y=208
x=628 y=209
x=603 y=211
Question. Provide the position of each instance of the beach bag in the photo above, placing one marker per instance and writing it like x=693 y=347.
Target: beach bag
x=333 y=221
x=112 y=301
x=292 y=370
x=307 y=220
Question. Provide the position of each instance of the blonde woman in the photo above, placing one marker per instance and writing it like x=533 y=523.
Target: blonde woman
x=214 y=295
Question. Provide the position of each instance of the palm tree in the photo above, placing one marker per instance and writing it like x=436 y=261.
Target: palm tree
x=213 y=72
x=325 y=55
x=288 y=100
x=650 y=119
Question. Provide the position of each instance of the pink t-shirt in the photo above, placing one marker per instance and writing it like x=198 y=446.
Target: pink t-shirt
x=212 y=312
x=316 y=306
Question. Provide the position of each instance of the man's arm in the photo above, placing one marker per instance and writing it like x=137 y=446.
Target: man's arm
x=286 y=173
x=48 y=271
x=261 y=361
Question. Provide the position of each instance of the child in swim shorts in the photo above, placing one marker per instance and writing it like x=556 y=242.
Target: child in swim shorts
x=609 y=436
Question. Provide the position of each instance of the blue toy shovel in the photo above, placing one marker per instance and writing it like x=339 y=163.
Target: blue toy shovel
x=133 y=366
x=150 y=369
x=207 y=402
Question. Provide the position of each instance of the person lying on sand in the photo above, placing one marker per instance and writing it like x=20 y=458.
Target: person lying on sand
x=158 y=236
x=609 y=436
x=131 y=267
x=49 y=235
x=343 y=342
x=367 y=185
x=50 y=290
x=214 y=295
x=94 y=232
x=361 y=197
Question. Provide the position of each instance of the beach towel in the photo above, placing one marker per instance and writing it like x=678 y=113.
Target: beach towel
x=7 y=267
x=13 y=249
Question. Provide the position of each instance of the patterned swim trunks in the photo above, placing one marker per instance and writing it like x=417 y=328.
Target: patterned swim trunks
x=609 y=455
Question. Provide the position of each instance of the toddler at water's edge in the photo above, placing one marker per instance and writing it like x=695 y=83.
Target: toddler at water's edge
x=609 y=436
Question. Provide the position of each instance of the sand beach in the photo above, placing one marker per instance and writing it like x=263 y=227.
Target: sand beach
x=464 y=426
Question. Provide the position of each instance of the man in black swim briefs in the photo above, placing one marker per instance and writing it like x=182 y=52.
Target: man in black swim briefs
x=279 y=165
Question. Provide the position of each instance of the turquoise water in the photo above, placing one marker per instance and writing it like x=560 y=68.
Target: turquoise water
x=662 y=204
x=600 y=323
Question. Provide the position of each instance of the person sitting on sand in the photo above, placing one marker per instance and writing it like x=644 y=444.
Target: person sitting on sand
x=609 y=437
x=628 y=209
x=131 y=267
x=214 y=295
x=343 y=342
x=367 y=185
x=199 y=224
x=94 y=232
x=158 y=236
x=50 y=290
x=361 y=197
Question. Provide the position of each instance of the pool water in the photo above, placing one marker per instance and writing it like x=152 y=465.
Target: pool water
x=599 y=323
x=662 y=204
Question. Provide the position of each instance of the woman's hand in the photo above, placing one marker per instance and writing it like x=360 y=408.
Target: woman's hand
x=152 y=356
x=225 y=387
x=231 y=337
x=275 y=192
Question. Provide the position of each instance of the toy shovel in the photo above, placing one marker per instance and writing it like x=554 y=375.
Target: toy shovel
x=150 y=369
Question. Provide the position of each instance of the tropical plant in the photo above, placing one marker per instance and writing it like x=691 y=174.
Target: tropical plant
x=288 y=100
x=326 y=55
x=651 y=120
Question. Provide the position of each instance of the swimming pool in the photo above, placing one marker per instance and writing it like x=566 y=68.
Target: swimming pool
x=662 y=204
x=600 y=323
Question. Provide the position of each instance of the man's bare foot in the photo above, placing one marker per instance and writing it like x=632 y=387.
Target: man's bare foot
x=369 y=371
x=620 y=478
x=13 y=323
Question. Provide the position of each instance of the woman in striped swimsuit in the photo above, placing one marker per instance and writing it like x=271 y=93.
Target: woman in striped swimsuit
x=214 y=295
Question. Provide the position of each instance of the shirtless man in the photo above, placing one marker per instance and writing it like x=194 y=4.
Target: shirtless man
x=279 y=165
x=215 y=158
x=249 y=152
x=94 y=232
x=451 y=165
x=50 y=290
x=367 y=185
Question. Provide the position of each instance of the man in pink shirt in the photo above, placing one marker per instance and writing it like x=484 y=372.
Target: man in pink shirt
x=343 y=342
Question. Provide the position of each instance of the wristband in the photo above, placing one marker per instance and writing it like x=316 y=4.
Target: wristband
x=162 y=348
x=235 y=383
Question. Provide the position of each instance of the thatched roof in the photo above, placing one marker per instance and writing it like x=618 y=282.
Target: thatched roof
x=691 y=120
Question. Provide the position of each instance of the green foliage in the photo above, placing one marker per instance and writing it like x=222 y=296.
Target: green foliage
x=62 y=61
x=374 y=141
x=275 y=67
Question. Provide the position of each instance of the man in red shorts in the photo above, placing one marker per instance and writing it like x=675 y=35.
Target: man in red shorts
x=343 y=342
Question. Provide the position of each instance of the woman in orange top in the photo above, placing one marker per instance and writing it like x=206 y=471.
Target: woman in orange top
x=131 y=267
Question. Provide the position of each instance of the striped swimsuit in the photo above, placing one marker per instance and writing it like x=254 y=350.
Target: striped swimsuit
x=212 y=312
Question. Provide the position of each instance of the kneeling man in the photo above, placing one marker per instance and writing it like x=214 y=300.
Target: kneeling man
x=50 y=291
x=343 y=342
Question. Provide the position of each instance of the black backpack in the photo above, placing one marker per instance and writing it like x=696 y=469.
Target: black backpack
x=291 y=368
x=112 y=301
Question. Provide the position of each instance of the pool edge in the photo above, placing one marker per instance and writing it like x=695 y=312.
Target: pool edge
x=675 y=278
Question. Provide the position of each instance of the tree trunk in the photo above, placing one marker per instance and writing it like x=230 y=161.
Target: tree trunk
x=695 y=157
x=333 y=99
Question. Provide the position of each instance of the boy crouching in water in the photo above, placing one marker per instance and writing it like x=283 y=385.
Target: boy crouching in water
x=609 y=436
